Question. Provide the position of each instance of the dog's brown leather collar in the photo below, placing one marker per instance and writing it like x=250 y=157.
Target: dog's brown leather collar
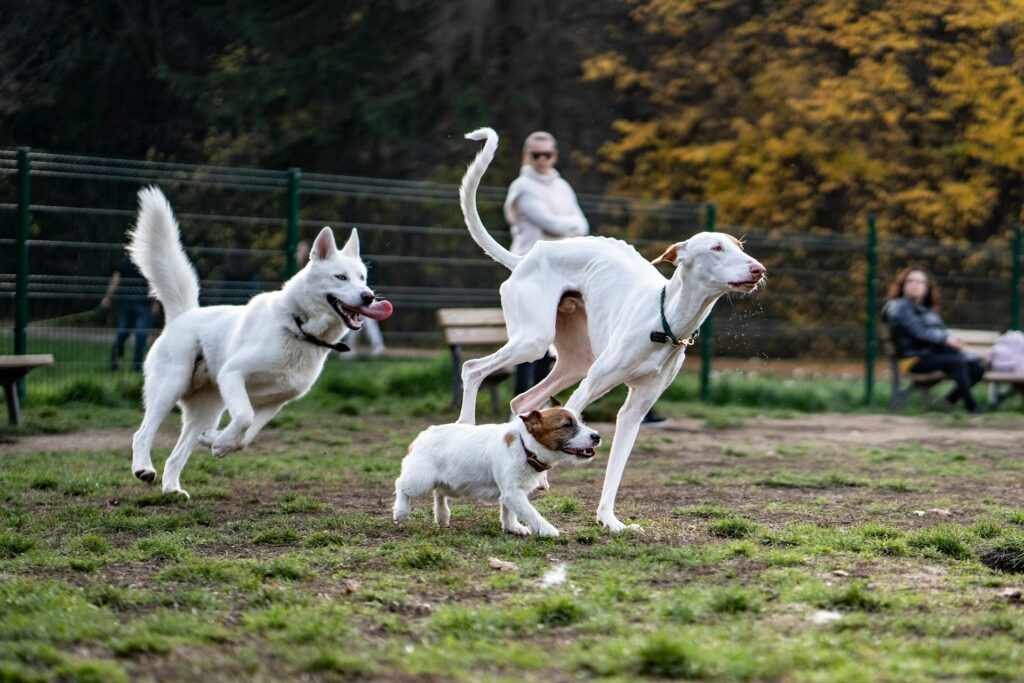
x=531 y=458
x=340 y=347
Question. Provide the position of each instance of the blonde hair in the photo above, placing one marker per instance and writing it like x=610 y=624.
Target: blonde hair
x=539 y=136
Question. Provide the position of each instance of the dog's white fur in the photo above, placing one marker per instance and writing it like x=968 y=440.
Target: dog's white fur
x=485 y=462
x=251 y=359
x=601 y=335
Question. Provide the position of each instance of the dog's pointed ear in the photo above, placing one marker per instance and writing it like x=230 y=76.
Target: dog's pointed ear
x=531 y=419
x=351 y=247
x=555 y=403
x=323 y=246
x=676 y=255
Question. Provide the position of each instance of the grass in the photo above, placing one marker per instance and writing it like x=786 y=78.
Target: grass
x=285 y=563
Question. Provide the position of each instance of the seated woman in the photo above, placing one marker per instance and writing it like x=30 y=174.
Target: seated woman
x=920 y=336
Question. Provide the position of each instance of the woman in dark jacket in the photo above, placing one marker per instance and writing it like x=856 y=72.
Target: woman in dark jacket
x=921 y=337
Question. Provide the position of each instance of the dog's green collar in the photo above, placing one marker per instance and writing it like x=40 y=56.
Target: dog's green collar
x=666 y=335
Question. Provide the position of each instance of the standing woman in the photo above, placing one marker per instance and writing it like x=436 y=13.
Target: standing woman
x=540 y=205
x=921 y=337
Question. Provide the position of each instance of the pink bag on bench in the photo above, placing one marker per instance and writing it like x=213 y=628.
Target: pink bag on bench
x=1007 y=354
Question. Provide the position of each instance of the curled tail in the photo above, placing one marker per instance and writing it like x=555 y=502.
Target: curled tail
x=467 y=199
x=154 y=244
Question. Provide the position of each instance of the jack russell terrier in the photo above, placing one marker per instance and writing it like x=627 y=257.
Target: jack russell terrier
x=497 y=462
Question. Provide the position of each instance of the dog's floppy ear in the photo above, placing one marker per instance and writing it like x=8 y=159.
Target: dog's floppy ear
x=532 y=420
x=676 y=255
x=555 y=403
x=323 y=246
x=351 y=247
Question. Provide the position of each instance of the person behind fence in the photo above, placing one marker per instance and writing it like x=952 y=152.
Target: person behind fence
x=922 y=339
x=540 y=205
x=128 y=295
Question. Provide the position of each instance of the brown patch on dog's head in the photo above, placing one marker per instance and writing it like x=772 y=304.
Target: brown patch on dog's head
x=551 y=427
x=509 y=438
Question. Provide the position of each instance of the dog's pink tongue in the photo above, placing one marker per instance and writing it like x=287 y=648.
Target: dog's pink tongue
x=378 y=310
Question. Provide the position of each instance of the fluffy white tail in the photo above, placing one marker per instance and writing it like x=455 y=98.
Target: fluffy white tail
x=154 y=244
x=467 y=199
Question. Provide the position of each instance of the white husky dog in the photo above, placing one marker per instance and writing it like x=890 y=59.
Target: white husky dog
x=251 y=359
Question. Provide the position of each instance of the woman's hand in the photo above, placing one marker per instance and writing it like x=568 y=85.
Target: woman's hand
x=954 y=342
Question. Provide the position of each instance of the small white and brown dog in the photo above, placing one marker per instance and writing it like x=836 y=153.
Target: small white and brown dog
x=496 y=462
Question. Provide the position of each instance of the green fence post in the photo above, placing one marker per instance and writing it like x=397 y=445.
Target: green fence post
x=292 y=241
x=706 y=332
x=871 y=326
x=1015 y=280
x=21 y=260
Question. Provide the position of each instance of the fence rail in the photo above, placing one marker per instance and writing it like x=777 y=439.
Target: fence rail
x=63 y=218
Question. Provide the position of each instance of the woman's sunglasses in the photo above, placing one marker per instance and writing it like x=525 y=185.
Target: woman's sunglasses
x=541 y=155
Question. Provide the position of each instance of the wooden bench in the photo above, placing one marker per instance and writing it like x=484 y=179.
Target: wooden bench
x=13 y=368
x=978 y=342
x=469 y=327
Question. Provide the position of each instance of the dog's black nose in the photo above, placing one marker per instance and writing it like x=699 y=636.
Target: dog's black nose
x=596 y=438
x=367 y=299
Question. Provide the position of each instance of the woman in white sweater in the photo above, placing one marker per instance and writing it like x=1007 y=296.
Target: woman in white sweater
x=540 y=204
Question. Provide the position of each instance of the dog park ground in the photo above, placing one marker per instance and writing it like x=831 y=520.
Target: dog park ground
x=780 y=545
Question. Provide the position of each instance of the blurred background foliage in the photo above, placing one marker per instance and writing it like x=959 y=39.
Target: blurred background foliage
x=796 y=114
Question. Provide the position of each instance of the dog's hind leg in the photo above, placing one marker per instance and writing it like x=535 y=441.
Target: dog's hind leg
x=573 y=361
x=442 y=513
x=530 y=319
x=199 y=413
x=402 y=504
x=163 y=387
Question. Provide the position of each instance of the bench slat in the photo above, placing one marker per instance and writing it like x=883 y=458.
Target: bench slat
x=475 y=335
x=468 y=317
x=26 y=361
x=976 y=337
x=1003 y=377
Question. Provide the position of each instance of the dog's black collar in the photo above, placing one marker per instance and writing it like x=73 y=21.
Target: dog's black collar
x=666 y=335
x=340 y=347
x=531 y=458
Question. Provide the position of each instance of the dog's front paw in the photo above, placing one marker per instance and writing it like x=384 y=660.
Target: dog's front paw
x=222 y=446
x=146 y=474
x=612 y=523
x=207 y=438
x=518 y=530
x=178 y=490
x=548 y=531
x=542 y=483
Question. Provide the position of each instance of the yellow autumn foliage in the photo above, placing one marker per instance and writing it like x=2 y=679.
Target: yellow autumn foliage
x=809 y=116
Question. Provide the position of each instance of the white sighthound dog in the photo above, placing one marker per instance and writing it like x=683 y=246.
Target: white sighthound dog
x=612 y=317
x=501 y=462
x=251 y=359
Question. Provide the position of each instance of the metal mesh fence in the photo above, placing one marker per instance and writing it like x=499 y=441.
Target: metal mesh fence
x=234 y=224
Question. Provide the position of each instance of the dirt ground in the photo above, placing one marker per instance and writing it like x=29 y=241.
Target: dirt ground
x=688 y=462
x=867 y=430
